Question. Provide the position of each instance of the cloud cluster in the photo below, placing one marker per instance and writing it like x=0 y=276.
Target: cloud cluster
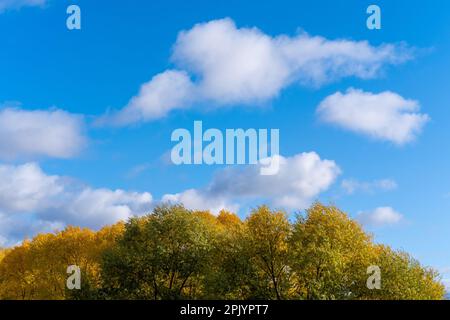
x=351 y=186
x=234 y=65
x=217 y=64
x=300 y=179
x=380 y=216
x=385 y=116
x=17 y=4
x=24 y=188
x=14 y=228
x=37 y=133
x=32 y=201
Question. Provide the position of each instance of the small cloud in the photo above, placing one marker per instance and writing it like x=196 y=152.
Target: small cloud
x=17 y=4
x=446 y=283
x=383 y=116
x=166 y=158
x=167 y=91
x=350 y=186
x=137 y=170
x=40 y=133
x=380 y=216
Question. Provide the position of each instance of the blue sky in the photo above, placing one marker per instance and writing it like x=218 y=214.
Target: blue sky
x=65 y=81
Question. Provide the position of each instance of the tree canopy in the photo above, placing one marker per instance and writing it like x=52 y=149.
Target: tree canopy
x=175 y=253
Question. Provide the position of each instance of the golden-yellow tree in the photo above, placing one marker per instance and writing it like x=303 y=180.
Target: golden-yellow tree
x=330 y=254
x=37 y=269
x=268 y=251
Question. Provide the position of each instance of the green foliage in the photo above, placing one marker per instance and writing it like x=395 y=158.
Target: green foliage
x=403 y=278
x=267 y=250
x=330 y=255
x=160 y=256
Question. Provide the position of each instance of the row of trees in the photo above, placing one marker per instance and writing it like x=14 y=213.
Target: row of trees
x=175 y=253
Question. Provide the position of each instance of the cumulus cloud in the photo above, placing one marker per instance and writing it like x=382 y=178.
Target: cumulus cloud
x=14 y=228
x=351 y=186
x=201 y=200
x=17 y=4
x=53 y=133
x=96 y=207
x=234 y=65
x=26 y=188
x=380 y=216
x=384 y=116
x=32 y=201
x=166 y=91
x=300 y=179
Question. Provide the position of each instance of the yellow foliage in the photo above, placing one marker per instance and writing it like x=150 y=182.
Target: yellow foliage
x=229 y=219
x=3 y=253
x=37 y=269
x=268 y=236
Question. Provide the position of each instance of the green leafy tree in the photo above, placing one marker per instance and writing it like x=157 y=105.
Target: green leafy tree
x=160 y=256
x=330 y=255
x=403 y=278
x=267 y=250
x=232 y=273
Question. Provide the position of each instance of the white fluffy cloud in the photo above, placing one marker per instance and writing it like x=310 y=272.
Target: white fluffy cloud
x=32 y=201
x=166 y=91
x=97 y=207
x=380 y=216
x=385 y=116
x=14 y=228
x=16 y=4
x=54 y=133
x=201 y=200
x=26 y=188
x=233 y=65
x=300 y=179
x=351 y=186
